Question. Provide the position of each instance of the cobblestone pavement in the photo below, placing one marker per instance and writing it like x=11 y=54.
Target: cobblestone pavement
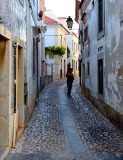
x=44 y=138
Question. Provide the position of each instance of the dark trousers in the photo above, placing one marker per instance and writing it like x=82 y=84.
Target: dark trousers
x=69 y=87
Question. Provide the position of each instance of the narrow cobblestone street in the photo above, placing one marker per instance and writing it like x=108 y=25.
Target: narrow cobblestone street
x=64 y=128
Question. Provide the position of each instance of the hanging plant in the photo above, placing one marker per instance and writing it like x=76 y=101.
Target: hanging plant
x=52 y=50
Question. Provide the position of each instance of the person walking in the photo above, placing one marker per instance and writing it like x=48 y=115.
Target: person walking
x=70 y=79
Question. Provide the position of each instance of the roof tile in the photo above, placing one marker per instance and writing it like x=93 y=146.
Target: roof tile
x=48 y=20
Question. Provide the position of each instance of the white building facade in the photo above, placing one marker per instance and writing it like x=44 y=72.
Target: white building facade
x=73 y=59
x=101 y=38
x=21 y=70
x=56 y=35
x=73 y=46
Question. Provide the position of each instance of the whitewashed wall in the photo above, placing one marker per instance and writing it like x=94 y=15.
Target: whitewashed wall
x=112 y=52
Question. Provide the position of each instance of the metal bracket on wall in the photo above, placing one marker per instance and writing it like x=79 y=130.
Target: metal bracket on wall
x=15 y=43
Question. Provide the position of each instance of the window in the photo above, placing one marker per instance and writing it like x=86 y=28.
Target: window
x=100 y=76
x=83 y=77
x=88 y=68
x=64 y=42
x=76 y=65
x=60 y=40
x=25 y=93
x=86 y=34
x=93 y=3
x=100 y=15
x=61 y=69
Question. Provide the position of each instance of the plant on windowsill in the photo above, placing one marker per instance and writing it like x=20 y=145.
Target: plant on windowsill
x=52 y=50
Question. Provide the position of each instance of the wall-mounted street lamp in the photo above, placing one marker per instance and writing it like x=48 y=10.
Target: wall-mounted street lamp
x=40 y=15
x=69 y=22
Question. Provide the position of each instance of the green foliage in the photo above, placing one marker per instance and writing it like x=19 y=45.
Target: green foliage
x=52 y=50
x=68 y=52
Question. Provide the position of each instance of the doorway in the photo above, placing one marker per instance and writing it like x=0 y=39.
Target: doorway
x=61 y=70
x=100 y=76
x=19 y=92
x=64 y=68
x=83 y=80
x=5 y=87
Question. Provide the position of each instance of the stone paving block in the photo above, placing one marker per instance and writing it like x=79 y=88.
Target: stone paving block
x=44 y=138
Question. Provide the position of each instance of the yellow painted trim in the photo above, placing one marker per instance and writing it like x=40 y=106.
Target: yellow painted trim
x=6 y=131
x=19 y=83
x=20 y=42
x=5 y=33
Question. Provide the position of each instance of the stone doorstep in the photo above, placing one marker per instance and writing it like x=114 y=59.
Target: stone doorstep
x=4 y=151
x=20 y=132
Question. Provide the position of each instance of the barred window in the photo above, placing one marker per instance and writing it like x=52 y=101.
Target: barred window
x=100 y=15
x=86 y=34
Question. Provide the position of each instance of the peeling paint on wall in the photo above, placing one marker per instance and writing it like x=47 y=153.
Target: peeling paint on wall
x=112 y=42
x=112 y=95
x=120 y=72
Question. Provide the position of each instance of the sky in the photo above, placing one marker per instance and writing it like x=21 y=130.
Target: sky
x=61 y=8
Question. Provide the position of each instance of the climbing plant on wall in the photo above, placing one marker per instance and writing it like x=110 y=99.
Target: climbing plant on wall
x=52 y=50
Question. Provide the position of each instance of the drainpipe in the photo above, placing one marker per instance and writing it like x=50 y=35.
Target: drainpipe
x=15 y=45
x=37 y=41
x=14 y=79
x=37 y=69
x=14 y=113
x=80 y=62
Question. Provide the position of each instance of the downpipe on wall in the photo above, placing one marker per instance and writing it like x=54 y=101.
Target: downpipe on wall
x=80 y=62
x=37 y=42
x=14 y=112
